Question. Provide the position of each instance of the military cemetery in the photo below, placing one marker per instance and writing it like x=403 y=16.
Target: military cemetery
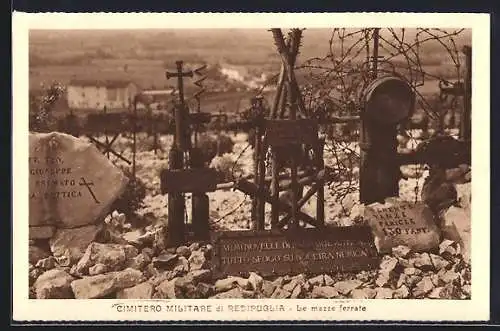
x=336 y=173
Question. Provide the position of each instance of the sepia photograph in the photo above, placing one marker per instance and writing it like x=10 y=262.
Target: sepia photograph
x=301 y=162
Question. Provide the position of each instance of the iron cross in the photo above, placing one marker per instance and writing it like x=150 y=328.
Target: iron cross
x=88 y=185
x=180 y=74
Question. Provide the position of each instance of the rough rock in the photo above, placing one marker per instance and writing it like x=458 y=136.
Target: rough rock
x=328 y=280
x=298 y=292
x=411 y=271
x=47 y=263
x=202 y=275
x=114 y=256
x=457 y=227
x=383 y=293
x=401 y=251
x=466 y=289
x=141 y=291
x=36 y=253
x=98 y=269
x=169 y=289
x=423 y=262
x=450 y=276
x=279 y=281
x=165 y=260
x=363 y=293
x=54 y=284
x=423 y=287
x=183 y=251
x=102 y=285
x=401 y=280
x=76 y=159
x=317 y=281
x=93 y=286
x=268 y=288
x=182 y=265
x=388 y=264
x=204 y=290
x=447 y=246
x=401 y=293
x=197 y=260
x=140 y=261
x=255 y=281
x=148 y=252
x=327 y=292
x=438 y=262
x=135 y=237
x=72 y=243
x=411 y=281
x=34 y=273
x=194 y=247
x=383 y=279
x=280 y=293
x=294 y=282
x=157 y=279
x=235 y=293
x=225 y=284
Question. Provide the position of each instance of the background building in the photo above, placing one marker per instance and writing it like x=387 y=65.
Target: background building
x=94 y=94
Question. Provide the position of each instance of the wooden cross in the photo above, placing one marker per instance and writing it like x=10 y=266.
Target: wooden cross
x=180 y=82
x=181 y=138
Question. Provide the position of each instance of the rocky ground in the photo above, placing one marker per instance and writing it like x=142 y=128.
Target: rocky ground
x=124 y=259
x=140 y=268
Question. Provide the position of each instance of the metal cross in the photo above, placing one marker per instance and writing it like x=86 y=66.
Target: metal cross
x=88 y=185
x=180 y=74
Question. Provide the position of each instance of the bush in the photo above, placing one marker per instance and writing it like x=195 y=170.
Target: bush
x=226 y=167
x=213 y=146
x=131 y=199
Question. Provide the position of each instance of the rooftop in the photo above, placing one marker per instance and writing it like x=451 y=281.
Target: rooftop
x=109 y=83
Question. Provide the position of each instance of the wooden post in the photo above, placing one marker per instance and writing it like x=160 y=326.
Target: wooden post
x=200 y=208
x=182 y=143
x=274 y=188
x=465 y=121
x=176 y=227
x=320 y=200
x=256 y=158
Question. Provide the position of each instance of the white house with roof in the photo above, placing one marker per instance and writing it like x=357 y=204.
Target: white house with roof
x=97 y=94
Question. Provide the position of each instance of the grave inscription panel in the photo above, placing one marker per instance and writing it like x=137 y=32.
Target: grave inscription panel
x=403 y=223
x=71 y=183
x=310 y=251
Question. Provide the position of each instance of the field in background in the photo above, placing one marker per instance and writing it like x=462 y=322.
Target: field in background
x=143 y=56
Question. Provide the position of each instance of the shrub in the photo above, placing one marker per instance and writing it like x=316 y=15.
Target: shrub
x=213 y=146
x=131 y=199
x=226 y=168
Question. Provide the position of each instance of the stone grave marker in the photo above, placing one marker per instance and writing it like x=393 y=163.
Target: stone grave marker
x=402 y=223
x=71 y=183
x=310 y=250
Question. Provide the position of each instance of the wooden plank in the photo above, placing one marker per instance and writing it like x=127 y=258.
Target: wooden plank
x=189 y=180
x=286 y=132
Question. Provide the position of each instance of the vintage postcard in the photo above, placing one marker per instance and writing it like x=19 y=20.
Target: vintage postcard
x=239 y=167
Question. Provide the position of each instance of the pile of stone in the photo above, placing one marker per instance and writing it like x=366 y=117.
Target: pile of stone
x=144 y=270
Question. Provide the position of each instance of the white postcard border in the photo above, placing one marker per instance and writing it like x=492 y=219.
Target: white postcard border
x=476 y=309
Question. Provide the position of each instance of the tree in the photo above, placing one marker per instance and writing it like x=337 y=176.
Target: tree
x=41 y=106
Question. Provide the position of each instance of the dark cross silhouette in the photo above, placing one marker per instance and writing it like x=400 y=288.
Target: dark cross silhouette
x=180 y=74
x=182 y=135
x=88 y=185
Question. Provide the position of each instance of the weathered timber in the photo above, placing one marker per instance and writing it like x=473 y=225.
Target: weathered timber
x=188 y=180
x=291 y=132
x=252 y=190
